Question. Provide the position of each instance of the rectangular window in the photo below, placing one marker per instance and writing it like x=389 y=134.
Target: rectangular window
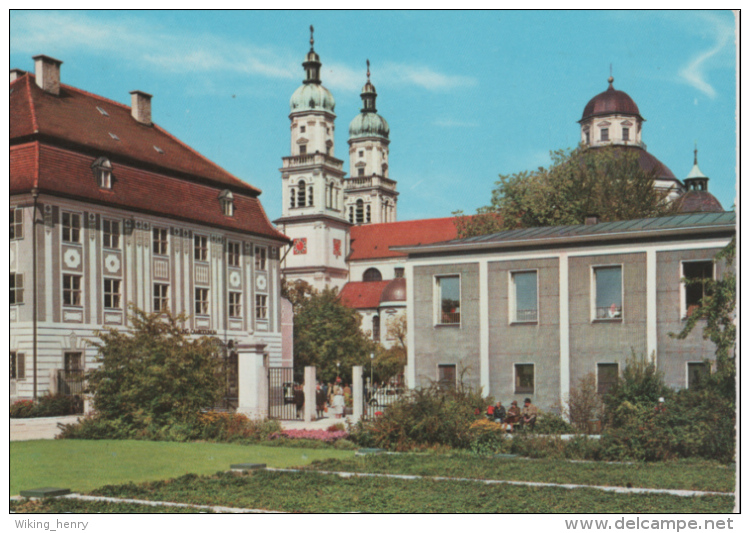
x=398 y=272
x=625 y=134
x=111 y=293
x=696 y=373
x=201 y=248
x=71 y=227
x=160 y=241
x=201 y=301
x=161 y=297
x=110 y=234
x=696 y=274
x=361 y=171
x=235 y=304
x=302 y=149
x=608 y=293
x=260 y=258
x=302 y=129
x=447 y=376
x=449 y=294
x=16 y=288
x=73 y=362
x=524 y=379
x=523 y=296
x=17 y=365
x=605 y=134
x=261 y=307
x=71 y=289
x=16 y=223
x=233 y=254
x=606 y=376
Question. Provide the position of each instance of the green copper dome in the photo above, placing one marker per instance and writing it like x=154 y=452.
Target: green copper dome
x=312 y=97
x=368 y=125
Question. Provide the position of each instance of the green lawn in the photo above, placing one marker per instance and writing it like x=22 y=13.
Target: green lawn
x=310 y=492
x=684 y=474
x=83 y=465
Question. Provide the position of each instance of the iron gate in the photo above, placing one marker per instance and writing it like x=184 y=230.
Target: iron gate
x=72 y=383
x=229 y=375
x=285 y=397
x=377 y=398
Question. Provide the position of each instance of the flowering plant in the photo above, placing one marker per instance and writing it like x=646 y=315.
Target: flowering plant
x=313 y=434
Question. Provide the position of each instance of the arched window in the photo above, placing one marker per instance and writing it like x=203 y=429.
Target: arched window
x=376 y=328
x=103 y=172
x=301 y=198
x=372 y=274
x=360 y=211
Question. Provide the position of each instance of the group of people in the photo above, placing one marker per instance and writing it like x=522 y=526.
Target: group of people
x=328 y=396
x=514 y=416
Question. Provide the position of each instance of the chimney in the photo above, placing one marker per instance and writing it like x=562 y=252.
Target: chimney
x=140 y=107
x=47 y=70
x=15 y=74
x=592 y=220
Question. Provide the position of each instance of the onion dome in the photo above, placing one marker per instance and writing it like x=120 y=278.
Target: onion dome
x=610 y=102
x=312 y=96
x=395 y=291
x=368 y=123
x=696 y=198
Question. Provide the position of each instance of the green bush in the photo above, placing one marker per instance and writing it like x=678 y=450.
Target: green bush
x=552 y=424
x=96 y=429
x=427 y=417
x=641 y=385
x=488 y=437
x=48 y=405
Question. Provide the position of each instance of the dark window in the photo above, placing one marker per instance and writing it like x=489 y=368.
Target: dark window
x=261 y=307
x=233 y=254
x=160 y=241
x=17 y=365
x=292 y=197
x=161 y=297
x=302 y=149
x=16 y=223
x=110 y=233
x=302 y=129
x=351 y=214
x=201 y=301
x=625 y=134
x=71 y=227
x=260 y=259
x=376 y=328
x=368 y=217
x=447 y=376
x=696 y=274
x=201 y=248
x=606 y=376
x=399 y=272
x=372 y=274
x=360 y=211
x=524 y=379
x=235 y=304
x=301 y=190
x=605 y=134
x=449 y=291
x=310 y=196
x=71 y=289
x=588 y=138
x=73 y=362
x=361 y=171
x=16 y=288
x=525 y=293
x=697 y=373
x=111 y=293
x=608 y=282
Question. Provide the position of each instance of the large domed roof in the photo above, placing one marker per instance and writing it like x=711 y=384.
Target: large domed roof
x=610 y=102
x=369 y=125
x=312 y=97
x=698 y=202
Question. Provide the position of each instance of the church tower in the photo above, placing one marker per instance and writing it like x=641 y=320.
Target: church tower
x=312 y=186
x=370 y=195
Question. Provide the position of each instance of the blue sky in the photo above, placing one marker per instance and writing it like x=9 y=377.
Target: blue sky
x=468 y=94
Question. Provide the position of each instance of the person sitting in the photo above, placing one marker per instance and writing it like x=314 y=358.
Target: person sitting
x=499 y=413
x=514 y=415
x=490 y=412
x=529 y=414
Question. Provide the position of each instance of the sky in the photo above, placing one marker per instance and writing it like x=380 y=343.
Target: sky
x=468 y=95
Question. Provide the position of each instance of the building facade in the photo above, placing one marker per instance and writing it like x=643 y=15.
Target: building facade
x=109 y=211
x=528 y=313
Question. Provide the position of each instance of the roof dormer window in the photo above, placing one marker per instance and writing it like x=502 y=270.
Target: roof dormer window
x=102 y=111
x=103 y=172
x=114 y=136
x=159 y=150
x=226 y=198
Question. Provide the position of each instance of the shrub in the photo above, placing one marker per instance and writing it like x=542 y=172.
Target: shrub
x=48 y=405
x=585 y=403
x=96 y=429
x=552 y=424
x=641 y=385
x=314 y=434
x=487 y=437
x=337 y=427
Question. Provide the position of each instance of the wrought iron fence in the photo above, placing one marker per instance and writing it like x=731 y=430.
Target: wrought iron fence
x=285 y=397
x=378 y=398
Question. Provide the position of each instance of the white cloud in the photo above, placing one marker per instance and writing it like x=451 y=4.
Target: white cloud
x=695 y=72
x=423 y=77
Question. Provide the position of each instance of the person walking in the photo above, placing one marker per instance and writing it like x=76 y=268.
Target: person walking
x=338 y=403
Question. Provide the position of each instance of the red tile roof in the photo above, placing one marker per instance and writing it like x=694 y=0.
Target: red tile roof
x=363 y=294
x=55 y=140
x=372 y=241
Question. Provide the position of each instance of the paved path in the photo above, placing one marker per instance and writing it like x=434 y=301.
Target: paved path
x=38 y=428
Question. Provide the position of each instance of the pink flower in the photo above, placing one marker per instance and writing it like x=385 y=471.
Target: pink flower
x=315 y=434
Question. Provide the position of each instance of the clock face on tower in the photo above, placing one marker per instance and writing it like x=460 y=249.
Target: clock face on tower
x=300 y=246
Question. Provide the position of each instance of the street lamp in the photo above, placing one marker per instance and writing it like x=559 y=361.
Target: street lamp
x=338 y=364
x=372 y=360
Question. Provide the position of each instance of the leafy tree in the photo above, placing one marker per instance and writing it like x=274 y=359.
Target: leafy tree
x=327 y=332
x=153 y=375
x=717 y=309
x=606 y=181
x=390 y=362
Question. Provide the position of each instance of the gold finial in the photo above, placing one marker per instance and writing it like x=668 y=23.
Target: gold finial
x=312 y=41
x=368 y=70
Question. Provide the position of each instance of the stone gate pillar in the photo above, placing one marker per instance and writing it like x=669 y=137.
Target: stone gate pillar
x=358 y=393
x=252 y=361
x=309 y=389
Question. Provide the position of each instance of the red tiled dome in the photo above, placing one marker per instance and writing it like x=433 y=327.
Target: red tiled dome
x=609 y=102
